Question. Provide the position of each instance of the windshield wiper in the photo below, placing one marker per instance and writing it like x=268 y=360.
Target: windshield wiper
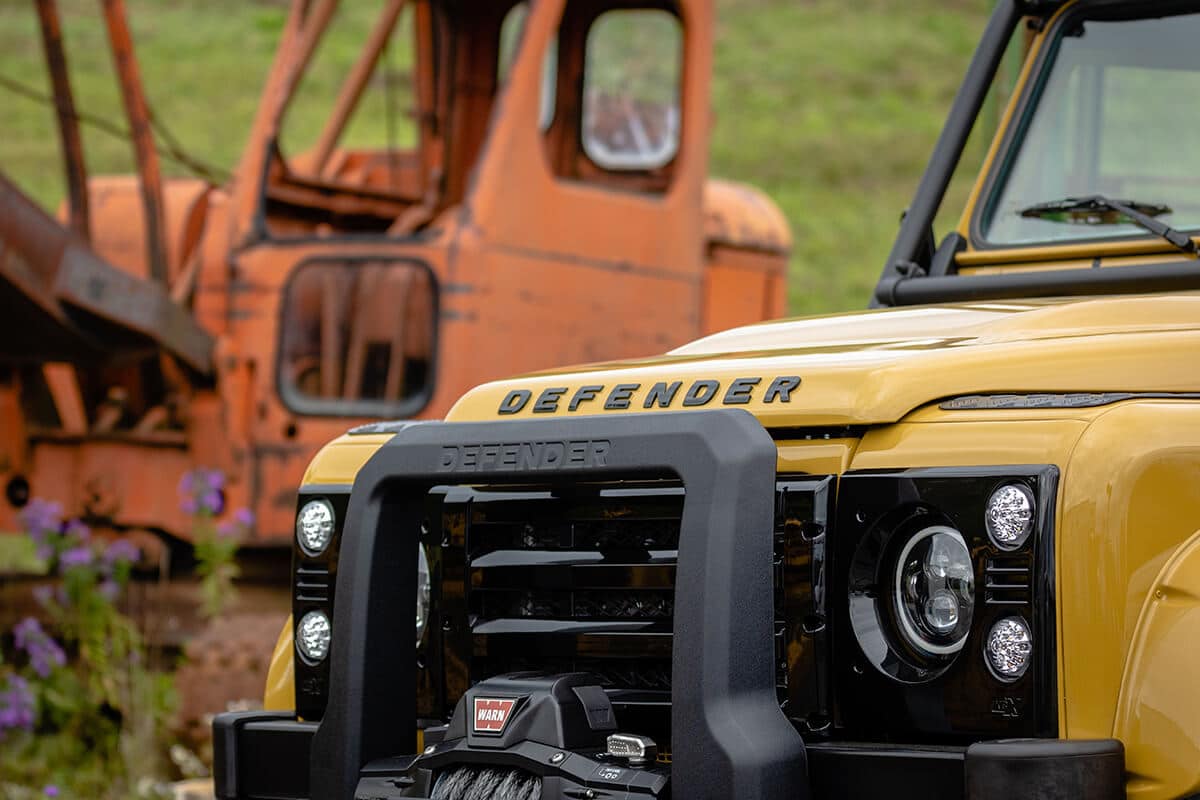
x=1100 y=210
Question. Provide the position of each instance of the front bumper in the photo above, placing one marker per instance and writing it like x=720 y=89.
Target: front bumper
x=264 y=756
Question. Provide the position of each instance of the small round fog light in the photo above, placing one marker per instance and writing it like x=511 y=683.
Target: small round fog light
x=1009 y=515
x=312 y=636
x=1009 y=648
x=314 y=526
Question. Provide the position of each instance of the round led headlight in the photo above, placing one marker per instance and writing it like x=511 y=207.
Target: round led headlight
x=1009 y=515
x=312 y=636
x=935 y=591
x=1009 y=648
x=422 y=591
x=314 y=526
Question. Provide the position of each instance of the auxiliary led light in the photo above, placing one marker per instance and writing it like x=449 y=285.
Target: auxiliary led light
x=1009 y=515
x=1009 y=648
x=313 y=635
x=314 y=526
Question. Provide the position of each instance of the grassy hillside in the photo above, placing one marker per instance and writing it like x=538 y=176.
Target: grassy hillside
x=831 y=107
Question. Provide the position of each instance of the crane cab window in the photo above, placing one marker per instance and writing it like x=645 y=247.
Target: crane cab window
x=352 y=120
x=631 y=88
x=617 y=119
x=358 y=338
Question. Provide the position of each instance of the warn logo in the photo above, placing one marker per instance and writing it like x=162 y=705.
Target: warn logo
x=492 y=713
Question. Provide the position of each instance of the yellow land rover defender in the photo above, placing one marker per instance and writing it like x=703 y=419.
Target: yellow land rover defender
x=945 y=548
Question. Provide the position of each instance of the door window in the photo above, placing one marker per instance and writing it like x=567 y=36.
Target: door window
x=358 y=338
x=631 y=89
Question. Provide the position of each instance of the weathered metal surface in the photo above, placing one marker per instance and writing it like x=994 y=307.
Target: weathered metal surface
x=533 y=256
x=138 y=114
x=68 y=121
x=64 y=302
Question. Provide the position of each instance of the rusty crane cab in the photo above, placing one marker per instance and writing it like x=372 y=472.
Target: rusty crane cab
x=433 y=195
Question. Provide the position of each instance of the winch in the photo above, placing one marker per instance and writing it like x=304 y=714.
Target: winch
x=525 y=736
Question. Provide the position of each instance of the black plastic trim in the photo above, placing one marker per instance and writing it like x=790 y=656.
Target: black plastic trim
x=851 y=770
x=256 y=753
x=739 y=744
x=1042 y=769
x=918 y=220
x=1135 y=278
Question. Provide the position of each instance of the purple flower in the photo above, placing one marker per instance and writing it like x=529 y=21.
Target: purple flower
x=244 y=517
x=213 y=502
x=50 y=790
x=25 y=630
x=81 y=556
x=78 y=532
x=44 y=652
x=16 y=705
x=109 y=590
x=201 y=492
x=215 y=480
x=121 y=551
x=42 y=515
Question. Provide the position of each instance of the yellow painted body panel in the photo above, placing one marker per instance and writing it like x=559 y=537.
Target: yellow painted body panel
x=280 y=694
x=877 y=366
x=1159 y=706
x=339 y=461
x=1130 y=508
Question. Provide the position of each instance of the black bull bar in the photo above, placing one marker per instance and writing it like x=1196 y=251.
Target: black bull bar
x=731 y=738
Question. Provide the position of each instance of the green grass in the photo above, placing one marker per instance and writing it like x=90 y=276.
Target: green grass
x=831 y=107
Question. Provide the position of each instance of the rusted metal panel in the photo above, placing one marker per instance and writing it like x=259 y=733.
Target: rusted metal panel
x=740 y=216
x=66 y=303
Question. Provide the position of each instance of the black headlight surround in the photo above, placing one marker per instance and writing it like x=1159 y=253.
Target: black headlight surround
x=897 y=692
x=313 y=581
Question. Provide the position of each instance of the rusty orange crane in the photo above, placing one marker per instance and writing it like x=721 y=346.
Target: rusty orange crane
x=550 y=204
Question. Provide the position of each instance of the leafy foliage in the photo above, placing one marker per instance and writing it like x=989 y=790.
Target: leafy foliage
x=85 y=709
x=81 y=711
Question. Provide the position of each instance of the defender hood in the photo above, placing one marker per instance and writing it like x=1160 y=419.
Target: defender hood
x=876 y=366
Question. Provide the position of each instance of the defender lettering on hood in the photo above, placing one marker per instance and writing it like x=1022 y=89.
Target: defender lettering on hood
x=664 y=394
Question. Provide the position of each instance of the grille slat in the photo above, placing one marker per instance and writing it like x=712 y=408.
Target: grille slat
x=1008 y=581
x=313 y=584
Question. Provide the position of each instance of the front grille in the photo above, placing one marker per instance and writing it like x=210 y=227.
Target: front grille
x=584 y=580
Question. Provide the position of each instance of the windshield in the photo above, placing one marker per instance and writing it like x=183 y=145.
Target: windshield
x=1116 y=116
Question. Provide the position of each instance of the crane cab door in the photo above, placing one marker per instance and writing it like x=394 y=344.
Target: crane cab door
x=586 y=202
